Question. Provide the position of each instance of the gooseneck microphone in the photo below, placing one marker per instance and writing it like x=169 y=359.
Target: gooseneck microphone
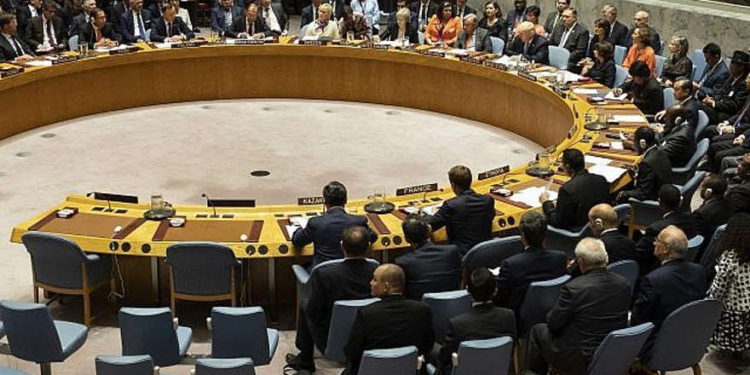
x=210 y=202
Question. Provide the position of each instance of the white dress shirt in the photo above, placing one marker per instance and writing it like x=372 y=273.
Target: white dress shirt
x=51 y=34
x=271 y=21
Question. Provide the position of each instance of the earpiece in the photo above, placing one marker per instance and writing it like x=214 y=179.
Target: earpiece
x=708 y=193
x=642 y=143
x=598 y=223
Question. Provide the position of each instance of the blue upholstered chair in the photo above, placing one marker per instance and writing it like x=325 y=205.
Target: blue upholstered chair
x=694 y=246
x=708 y=257
x=669 y=98
x=397 y=361
x=34 y=336
x=643 y=213
x=565 y=240
x=540 y=298
x=202 y=271
x=9 y=371
x=558 y=57
x=498 y=45
x=702 y=123
x=689 y=188
x=444 y=306
x=620 y=53
x=621 y=74
x=126 y=365
x=342 y=319
x=488 y=357
x=683 y=337
x=60 y=266
x=240 y=332
x=224 y=366
x=660 y=60
x=699 y=63
x=626 y=268
x=152 y=331
x=618 y=350
x=682 y=174
x=491 y=253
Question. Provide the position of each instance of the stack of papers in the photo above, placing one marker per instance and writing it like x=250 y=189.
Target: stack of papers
x=628 y=118
x=589 y=159
x=297 y=222
x=612 y=174
x=611 y=96
x=583 y=91
x=432 y=209
x=39 y=63
x=530 y=196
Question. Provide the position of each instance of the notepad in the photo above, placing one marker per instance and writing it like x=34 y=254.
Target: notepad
x=290 y=229
x=299 y=221
x=530 y=195
x=616 y=146
x=628 y=118
x=611 y=174
x=596 y=160
x=611 y=96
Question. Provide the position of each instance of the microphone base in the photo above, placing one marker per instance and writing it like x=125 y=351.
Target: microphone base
x=161 y=214
x=596 y=126
x=214 y=216
x=380 y=207
x=539 y=172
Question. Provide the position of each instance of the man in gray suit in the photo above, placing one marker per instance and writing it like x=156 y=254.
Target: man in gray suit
x=473 y=38
x=572 y=36
x=554 y=19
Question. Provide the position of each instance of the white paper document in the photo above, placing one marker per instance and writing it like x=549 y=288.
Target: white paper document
x=608 y=172
x=582 y=91
x=590 y=159
x=457 y=52
x=290 y=229
x=616 y=146
x=611 y=96
x=530 y=196
x=39 y=63
x=628 y=118
x=432 y=209
x=299 y=221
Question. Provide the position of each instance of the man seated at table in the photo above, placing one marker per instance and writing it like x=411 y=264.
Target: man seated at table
x=77 y=21
x=529 y=45
x=223 y=15
x=250 y=25
x=653 y=171
x=274 y=16
x=734 y=138
x=739 y=195
x=641 y=19
x=572 y=36
x=99 y=33
x=576 y=197
x=324 y=26
x=714 y=74
x=170 y=28
x=48 y=30
x=468 y=216
x=473 y=38
x=135 y=24
x=310 y=12
x=715 y=209
x=729 y=99
x=11 y=46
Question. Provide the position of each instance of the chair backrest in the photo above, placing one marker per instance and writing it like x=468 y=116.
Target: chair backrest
x=700 y=151
x=124 y=365
x=688 y=190
x=444 y=306
x=201 y=268
x=9 y=371
x=626 y=268
x=709 y=253
x=621 y=74
x=491 y=253
x=342 y=319
x=620 y=52
x=540 y=298
x=498 y=45
x=224 y=366
x=32 y=335
x=623 y=211
x=558 y=57
x=2 y=329
x=699 y=63
x=397 y=361
x=565 y=241
x=240 y=332
x=660 y=60
x=702 y=123
x=149 y=331
x=55 y=260
x=488 y=357
x=643 y=213
x=617 y=351
x=669 y=98
x=683 y=337
x=694 y=244
x=73 y=43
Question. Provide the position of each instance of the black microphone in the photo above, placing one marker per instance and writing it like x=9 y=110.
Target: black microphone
x=210 y=203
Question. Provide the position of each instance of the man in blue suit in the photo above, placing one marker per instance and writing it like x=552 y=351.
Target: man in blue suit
x=715 y=73
x=136 y=23
x=223 y=15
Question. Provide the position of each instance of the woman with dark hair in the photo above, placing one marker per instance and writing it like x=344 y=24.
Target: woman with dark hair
x=601 y=32
x=731 y=287
x=678 y=64
x=641 y=50
x=602 y=67
x=643 y=90
x=532 y=15
x=443 y=26
x=493 y=21
x=355 y=23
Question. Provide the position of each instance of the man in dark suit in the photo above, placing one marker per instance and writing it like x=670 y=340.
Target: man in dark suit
x=641 y=19
x=554 y=19
x=310 y=12
x=25 y=13
x=588 y=309
x=99 y=33
x=274 y=16
x=483 y=321
x=10 y=6
x=516 y=16
x=11 y=46
x=715 y=73
x=135 y=24
x=48 y=29
x=669 y=203
x=468 y=216
x=678 y=138
x=325 y=231
x=576 y=197
x=461 y=10
x=529 y=45
x=534 y=264
x=739 y=195
x=618 y=32
x=473 y=38
x=349 y=279
x=429 y=268
x=423 y=10
x=729 y=99
x=250 y=25
x=716 y=209
x=572 y=36
x=684 y=93
x=170 y=28
x=223 y=15
x=392 y=322
x=604 y=223
x=118 y=9
x=653 y=171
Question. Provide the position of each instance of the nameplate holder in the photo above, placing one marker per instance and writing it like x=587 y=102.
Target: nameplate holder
x=313 y=42
x=123 y=51
x=67 y=212
x=249 y=42
x=310 y=201
x=9 y=72
x=381 y=47
x=527 y=75
x=189 y=44
x=470 y=60
x=493 y=172
x=434 y=53
x=62 y=59
x=496 y=65
x=417 y=189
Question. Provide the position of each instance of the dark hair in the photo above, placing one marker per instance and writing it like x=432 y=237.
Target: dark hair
x=646 y=35
x=95 y=11
x=355 y=240
x=441 y=8
x=606 y=50
x=334 y=194
x=603 y=24
x=716 y=183
x=482 y=285
x=639 y=69
x=416 y=228
x=669 y=197
x=49 y=5
x=645 y=133
x=460 y=176
x=533 y=227
x=685 y=84
x=712 y=49
x=737 y=237
x=533 y=9
x=497 y=6
x=6 y=18
x=573 y=11
x=573 y=158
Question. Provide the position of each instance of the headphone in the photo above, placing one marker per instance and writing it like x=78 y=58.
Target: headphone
x=598 y=223
x=707 y=193
x=642 y=143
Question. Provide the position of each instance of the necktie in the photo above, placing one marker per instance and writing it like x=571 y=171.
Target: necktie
x=742 y=114
x=526 y=48
x=169 y=30
x=140 y=27
x=50 y=34
x=17 y=46
x=423 y=13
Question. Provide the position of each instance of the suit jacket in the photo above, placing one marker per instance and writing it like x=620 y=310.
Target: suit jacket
x=520 y=270
x=481 y=44
x=730 y=97
x=217 y=17
x=512 y=16
x=10 y=5
x=712 y=79
x=483 y=321
x=538 y=50
x=280 y=14
x=430 y=269
x=574 y=200
x=577 y=43
x=128 y=25
x=655 y=40
x=619 y=34
x=76 y=23
x=589 y=308
x=240 y=25
x=739 y=197
x=604 y=72
x=8 y=53
x=692 y=106
x=391 y=32
x=307 y=15
x=499 y=29
x=87 y=35
x=649 y=98
x=467 y=10
x=679 y=144
x=619 y=246
x=467 y=218
x=645 y=245
x=390 y=323
x=349 y=279
x=24 y=16
x=548 y=24
x=431 y=10
x=711 y=214
x=159 y=30
x=654 y=170
x=324 y=232
x=36 y=32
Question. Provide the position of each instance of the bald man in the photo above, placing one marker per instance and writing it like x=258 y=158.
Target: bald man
x=604 y=223
x=641 y=19
x=392 y=322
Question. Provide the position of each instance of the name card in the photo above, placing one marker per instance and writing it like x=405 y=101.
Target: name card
x=417 y=189
x=189 y=44
x=248 y=42
x=9 y=72
x=62 y=59
x=527 y=75
x=122 y=51
x=496 y=65
x=310 y=201
x=432 y=53
x=313 y=42
x=494 y=172
x=470 y=60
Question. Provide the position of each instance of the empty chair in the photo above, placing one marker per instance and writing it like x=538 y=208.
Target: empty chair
x=708 y=256
x=224 y=366
x=682 y=174
x=626 y=268
x=488 y=357
x=202 y=271
x=444 y=306
x=702 y=123
x=60 y=266
x=240 y=332
x=669 y=98
x=694 y=245
x=558 y=57
x=498 y=45
x=342 y=320
x=540 y=298
x=620 y=52
x=618 y=350
x=397 y=361
x=699 y=64
x=34 y=336
x=621 y=74
x=152 y=331
x=491 y=253
x=683 y=337
x=564 y=240
x=660 y=60
x=125 y=365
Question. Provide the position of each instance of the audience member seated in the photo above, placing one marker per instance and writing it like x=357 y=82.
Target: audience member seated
x=618 y=32
x=516 y=16
x=483 y=321
x=84 y=17
x=678 y=64
x=733 y=126
x=493 y=21
x=118 y=8
x=311 y=12
x=468 y=216
x=135 y=23
x=462 y=10
x=653 y=171
x=12 y=48
x=715 y=73
x=555 y=19
x=392 y=322
x=392 y=24
x=739 y=195
x=716 y=209
x=604 y=223
x=532 y=15
x=443 y=27
x=25 y=13
x=730 y=97
x=99 y=33
x=643 y=89
x=347 y=280
x=677 y=140
x=641 y=20
x=324 y=231
x=601 y=67
x=669 y=203
x=572 y=36
x=273 y=16
x=423 y=10
x=224 y=14
x=472 y=38
x=599 y=34
x=535 y=263
x=403 y=28
x=529 y=45
x=170 y=28
x=47 y=31
x=183 y=14
x=354 y=23
x=730 y=287
x=733 y=141
x=429 y=268
x=576 y=197
x=324 y=26
x=588 y=309
x=641 y=50
x=370 y=11
x=250 y=26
